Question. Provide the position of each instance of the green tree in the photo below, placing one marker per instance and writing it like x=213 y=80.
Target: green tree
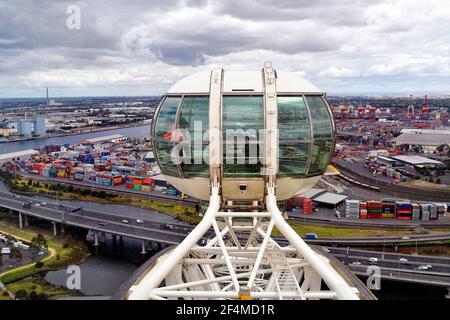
x=15 y=253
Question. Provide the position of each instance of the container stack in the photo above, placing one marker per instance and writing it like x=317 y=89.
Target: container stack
x=352 y=209
x=388 y=210
x=390 y=172
x=374 y=209
x=107 y=179
x=137 y=183
x=415 y=211
x=307 y=206
x=403 y=211
x=295 y=204
x=363 y=210
x=441 y=208
x=433 y=211
x=425 y=212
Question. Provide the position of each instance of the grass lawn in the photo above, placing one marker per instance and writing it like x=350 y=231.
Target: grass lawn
x=330 y=231
x=63 y=251
x=37 y=288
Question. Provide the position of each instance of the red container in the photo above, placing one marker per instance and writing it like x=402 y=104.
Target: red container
x=307 y=206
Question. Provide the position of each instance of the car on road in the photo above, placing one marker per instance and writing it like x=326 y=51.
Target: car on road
x=429 y=266
x=356 y=263
x=16 y=196
x=44 y=203
x=423 y=268
x=125 y=221
x=326 y=250
x=102 y=224
x=403 y=260
x=373 y=260
x=26 y=205
x=37 y=204
x=311 y=236
x=140 y=221
x=405 y=238
x=166 y=226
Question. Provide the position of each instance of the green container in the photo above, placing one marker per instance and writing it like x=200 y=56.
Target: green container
x=137 y=187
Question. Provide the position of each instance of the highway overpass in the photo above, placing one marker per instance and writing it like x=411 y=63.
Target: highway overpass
x=102 y=222
x=396 y=266
x=156 y=231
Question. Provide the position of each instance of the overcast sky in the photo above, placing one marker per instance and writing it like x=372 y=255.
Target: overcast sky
x=142 y=47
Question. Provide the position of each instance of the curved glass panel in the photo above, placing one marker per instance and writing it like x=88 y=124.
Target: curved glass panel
x=293 y=121
x=293 y=127
x=243 y=117
x=164 y=150
x=293 y=159
x=165 y=122
x=193 y=124
x=164 y=129
x=320 y=117
x=321 y=153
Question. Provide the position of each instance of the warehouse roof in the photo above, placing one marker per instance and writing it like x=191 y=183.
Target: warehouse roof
x=311 y=193
x=330 y=198
x=18 y=154
x=416 y=160
x=105 y=138
x=427 y=138
x=159 y=177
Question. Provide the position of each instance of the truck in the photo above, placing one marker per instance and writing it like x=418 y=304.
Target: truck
x=311 y=236
x=26 y=205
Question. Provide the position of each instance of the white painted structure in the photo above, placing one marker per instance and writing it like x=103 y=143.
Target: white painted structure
x=240 y=260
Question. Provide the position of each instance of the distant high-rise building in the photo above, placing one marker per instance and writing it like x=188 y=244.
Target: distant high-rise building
x=39 y=125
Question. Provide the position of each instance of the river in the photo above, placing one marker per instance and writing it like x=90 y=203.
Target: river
x=133 y=132
x=112 y=263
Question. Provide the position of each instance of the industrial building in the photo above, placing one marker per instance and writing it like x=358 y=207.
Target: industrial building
x=24 y=154
x=112 y=138
x=428 y=140
x=39 y=125
x=24 y=127
x=417 y=161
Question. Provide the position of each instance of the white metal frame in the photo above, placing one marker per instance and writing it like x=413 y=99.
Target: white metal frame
x=228 y=268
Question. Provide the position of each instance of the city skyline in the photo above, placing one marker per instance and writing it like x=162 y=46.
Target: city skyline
x=141 y=48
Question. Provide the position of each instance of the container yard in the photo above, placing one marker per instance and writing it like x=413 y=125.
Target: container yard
x=110 y=161
x=400 y=210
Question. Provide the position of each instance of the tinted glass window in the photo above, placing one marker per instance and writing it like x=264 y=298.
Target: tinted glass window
x=293 y=159
x=320 y=117
x=164 y=129
x=293 y=122
x=243 y=117
x=321 y=153
x=193 y=124
x=293 y=127
x=165 y=122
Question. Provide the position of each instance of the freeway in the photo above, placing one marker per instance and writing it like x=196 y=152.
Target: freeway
x=173 y=233
x=395 y=266
x=151 y=229
x=98 y=221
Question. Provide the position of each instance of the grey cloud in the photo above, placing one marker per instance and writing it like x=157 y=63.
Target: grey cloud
x=159 y=41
